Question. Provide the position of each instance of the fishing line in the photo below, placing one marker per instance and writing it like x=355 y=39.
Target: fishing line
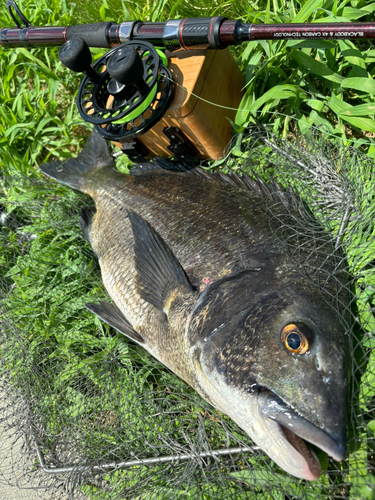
x=346 y=140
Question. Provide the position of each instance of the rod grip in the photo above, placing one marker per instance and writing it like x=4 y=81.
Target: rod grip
x=95 y=34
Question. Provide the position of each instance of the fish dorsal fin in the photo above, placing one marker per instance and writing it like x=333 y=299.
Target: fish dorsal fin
x=112 y=315
x=94 y=155
x=242 y=181
x=255 y=184
x=159 y=273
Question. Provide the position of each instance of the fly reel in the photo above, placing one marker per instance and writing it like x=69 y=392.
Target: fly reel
x=127 y=96
x=125 y=92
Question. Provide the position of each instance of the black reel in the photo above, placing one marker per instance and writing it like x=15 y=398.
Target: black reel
x=125 y=92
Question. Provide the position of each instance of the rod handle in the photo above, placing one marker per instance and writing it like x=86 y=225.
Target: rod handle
x=95 y=34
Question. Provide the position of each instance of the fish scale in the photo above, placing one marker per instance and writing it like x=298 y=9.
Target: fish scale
x=178 y=211
x=114 y=248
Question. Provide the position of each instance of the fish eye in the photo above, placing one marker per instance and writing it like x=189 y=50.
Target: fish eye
x=294 y=337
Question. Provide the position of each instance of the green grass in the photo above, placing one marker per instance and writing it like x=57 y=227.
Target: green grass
x=86 y=374
x=320 y=83
x=294 y=85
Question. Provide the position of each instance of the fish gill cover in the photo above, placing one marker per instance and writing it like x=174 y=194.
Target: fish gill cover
x=96 y=416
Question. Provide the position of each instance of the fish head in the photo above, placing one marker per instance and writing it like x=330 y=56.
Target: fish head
x=276 y=363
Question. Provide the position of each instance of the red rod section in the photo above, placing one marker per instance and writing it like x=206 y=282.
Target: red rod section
x=312 y=31
x=33 y=36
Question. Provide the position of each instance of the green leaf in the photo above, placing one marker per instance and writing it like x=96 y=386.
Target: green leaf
x=332 y=19
x=44 y=70
x=236 y=127
x=103 y=10
x=361 y=84
x=360 y=110
x=158 y=10
x=19 y=126
x=177 y=3
x=254 y=61
x=244 y=109
x=363 y=124
x=316 y=67
x=311 y=44
x=307 y=10
x=29 y=54
x=369 y=8
x=354 y=57
x=44 y=122
x=339 y=107
x=352 y=14
x=319 y=121
x=248 y=50
x=278 y=92
x=315 y=104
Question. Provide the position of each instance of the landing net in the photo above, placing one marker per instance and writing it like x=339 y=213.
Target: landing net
x=86 y=413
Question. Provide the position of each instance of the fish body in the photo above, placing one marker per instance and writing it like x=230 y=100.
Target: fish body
x=199 y=279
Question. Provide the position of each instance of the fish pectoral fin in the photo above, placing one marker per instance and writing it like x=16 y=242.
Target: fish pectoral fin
x=158 y=270
x=112 y=315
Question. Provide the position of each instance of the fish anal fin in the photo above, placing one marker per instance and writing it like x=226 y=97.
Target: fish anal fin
x=159 y=274
x=111 y=314
x=86 y=215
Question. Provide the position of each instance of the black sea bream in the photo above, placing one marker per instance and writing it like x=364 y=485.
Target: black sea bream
x=198 y=278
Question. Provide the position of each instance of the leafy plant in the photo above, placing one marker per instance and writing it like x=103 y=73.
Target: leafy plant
x=38 y=116
x=326 y=84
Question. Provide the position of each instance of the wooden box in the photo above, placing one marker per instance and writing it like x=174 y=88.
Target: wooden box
x=205 y=80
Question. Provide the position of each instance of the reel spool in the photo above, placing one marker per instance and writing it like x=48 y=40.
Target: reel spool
x=124 y=93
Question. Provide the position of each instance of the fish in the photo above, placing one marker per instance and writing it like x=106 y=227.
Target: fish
x=198 y=278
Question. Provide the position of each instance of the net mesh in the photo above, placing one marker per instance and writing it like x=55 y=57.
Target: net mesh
x=86 y=413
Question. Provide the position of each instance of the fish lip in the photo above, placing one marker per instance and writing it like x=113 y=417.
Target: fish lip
x=273 y=407
x=312 y=468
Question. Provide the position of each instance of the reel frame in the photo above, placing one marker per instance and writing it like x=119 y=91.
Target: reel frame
x=132 y=113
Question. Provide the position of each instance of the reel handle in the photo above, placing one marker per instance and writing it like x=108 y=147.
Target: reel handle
x=125 y=66
x=75 y=55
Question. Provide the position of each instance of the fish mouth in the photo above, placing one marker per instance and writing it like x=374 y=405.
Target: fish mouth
x=292 y=432
x=311 y=466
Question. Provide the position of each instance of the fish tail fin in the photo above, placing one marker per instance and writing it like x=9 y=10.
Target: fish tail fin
x=73 y=173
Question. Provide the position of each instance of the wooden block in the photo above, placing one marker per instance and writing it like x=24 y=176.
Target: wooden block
x=206 y=82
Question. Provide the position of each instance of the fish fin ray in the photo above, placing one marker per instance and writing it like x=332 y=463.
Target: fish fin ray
x=243 y=181
x=254 y=183
x=111 y=314
x=87 y=213
x=94 y=155
x=158 y=270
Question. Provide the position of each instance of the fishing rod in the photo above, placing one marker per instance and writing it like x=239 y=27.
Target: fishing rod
x=147 y=93
x=189 y=33
x=209 y=32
